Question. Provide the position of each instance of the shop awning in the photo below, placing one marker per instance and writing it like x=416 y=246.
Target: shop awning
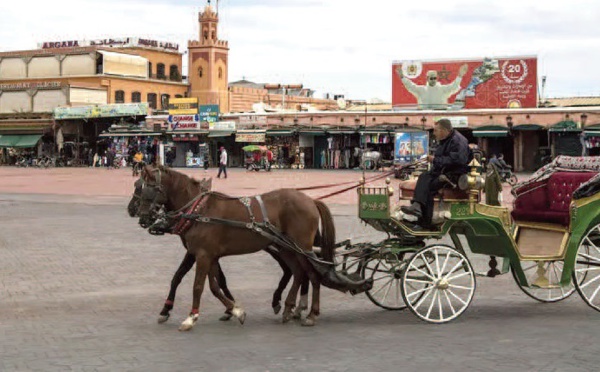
x=280 y=133
x=592 y=131
x=528 y=127
x=220 y=133
x=313 y=132
x=490 y=131
x=565 y=126
x=129 y=134
x=375 y=131
x=19 y=141
x=341 y=131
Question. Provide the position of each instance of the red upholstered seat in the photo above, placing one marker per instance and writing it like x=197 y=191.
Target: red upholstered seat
x=549 y=201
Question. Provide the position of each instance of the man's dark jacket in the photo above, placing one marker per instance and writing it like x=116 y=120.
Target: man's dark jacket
x=452 y=155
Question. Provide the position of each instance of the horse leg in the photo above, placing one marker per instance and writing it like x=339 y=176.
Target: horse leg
x=303 y=305
x=311 y=318
x=283 y=282
x=203 y=265
x=215 y=283
x=184 y=267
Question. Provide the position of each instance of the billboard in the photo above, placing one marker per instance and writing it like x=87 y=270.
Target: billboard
x=183 y=106
x=410 y=146
x=209 y=113
x=101 y=111
x=471 y=84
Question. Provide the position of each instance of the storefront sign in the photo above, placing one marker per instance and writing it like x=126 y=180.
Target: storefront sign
x=184 y=122
x=183 y=106
x=250 y=136
x=34 y=85
x=101 y=111
x=112 y=42
x=222 y=126
x=456 y=121
x=252 y=120
x=410 y=146
x=485 y=83
x=209 y=113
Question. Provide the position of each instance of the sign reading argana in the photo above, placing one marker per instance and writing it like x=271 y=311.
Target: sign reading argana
x=456 y=84
x=113 y=42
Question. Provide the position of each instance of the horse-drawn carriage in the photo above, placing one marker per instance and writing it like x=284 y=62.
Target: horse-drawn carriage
x=550 y=241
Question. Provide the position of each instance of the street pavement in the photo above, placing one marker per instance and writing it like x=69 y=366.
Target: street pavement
x=81 y=286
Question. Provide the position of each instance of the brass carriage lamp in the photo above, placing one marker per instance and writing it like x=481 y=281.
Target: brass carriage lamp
x=390 y=189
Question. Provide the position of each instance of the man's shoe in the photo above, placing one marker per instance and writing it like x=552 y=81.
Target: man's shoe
x=414 y=210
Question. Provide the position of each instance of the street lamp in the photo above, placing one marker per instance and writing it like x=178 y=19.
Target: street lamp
x=423 y=120
x=509 y=122
x=583 y=119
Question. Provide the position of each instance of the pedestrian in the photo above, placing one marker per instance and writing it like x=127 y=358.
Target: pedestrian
x=206 y=163
x=222 y=163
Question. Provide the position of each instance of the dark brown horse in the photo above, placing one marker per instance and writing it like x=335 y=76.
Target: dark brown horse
x=291 y=213
x=220 y=282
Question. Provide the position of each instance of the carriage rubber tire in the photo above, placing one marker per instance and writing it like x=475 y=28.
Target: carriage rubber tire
x=540 y=299
x=372 y=297
x=595 y=256
x=466 y=265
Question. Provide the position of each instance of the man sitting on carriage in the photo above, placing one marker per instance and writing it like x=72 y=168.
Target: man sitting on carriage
x=450 y=159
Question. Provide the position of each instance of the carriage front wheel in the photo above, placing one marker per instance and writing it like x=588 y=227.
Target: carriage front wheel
x=586 y=273
x=438 y=283
x=386 y=273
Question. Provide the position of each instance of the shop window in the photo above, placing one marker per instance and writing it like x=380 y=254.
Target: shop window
x=220 y=73
x=160 y=71
x=174 y=74
x=164 y=101
x=119 y=96
x=150 y=69
x=152 y=100
x=136 y=97
x=200 y=71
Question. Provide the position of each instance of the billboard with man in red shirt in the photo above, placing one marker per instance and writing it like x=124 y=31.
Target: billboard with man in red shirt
x=456 y=84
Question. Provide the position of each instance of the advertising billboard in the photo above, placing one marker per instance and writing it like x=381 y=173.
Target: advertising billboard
x=183 y=106
x=209 y=113
x=471 y=84
x=410 y=146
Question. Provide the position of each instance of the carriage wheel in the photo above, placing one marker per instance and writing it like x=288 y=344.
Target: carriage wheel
x=386 y=274
x=438 y=284
x=553 y=270
x=587 y=268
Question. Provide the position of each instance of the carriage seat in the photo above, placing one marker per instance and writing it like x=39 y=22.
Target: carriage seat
x=407 y=190
x=549 y=200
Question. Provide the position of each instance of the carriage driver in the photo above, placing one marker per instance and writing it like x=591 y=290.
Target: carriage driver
x=451 y=158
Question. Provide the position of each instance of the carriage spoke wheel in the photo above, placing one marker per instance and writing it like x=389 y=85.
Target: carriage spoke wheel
x=438 y=284
x=386 y=273
x=553 y=269
x=586 y=273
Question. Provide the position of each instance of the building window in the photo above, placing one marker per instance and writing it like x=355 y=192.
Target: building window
x=160 y=71
x=214 y=36
x=205 y=34
x=178 y=96
x=174 y=73
x=220 y=73
x=152 y=100
x=150 y=69
x=200 y=71
x=164 y=101
x=136 y=97
x=119 y=96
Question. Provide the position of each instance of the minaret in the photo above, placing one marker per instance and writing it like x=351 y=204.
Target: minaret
x=208 y=63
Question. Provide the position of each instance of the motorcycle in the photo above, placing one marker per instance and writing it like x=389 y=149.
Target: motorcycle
x=506 y=175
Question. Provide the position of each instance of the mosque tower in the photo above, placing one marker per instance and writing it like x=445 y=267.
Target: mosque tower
x=207 y=63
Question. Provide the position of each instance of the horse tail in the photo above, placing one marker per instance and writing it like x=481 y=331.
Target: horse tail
x=327 y=235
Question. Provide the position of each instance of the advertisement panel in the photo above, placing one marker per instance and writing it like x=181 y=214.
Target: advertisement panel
x=183 y=106
x=184 y=122
x=472 y=84
x=209 y=113
x=410 y=146
x=101 y=111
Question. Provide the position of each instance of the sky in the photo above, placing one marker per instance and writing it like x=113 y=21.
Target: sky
x=337 y=46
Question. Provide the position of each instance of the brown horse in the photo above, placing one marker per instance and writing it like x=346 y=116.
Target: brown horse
x=220 y=282
x=225 y=227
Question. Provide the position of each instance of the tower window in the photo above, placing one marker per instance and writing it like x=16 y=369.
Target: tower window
x=220 y=73
x=214 y=36
x=119 y=96
x=200 y=71
x=205 y=34
x=136 y=97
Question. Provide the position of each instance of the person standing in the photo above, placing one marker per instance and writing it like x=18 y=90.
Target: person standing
x=222 y=163
x=433 y=95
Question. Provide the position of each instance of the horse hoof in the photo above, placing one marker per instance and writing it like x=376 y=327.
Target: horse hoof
x=189 y=322
x=239 y=313
x=308 y=322
x=225 y=317
x=277 y=309
x=185 y=327
x=286 y=317
x=163 y=318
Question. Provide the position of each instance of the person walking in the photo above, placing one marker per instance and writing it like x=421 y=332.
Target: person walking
x=222 y=163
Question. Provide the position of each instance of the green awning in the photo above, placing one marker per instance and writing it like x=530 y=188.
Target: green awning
x=592 y=133
x=528 y=127
x=565 y=126
x=313 y=132
x=19 y=141
x=490 y=131
x=220 y=133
